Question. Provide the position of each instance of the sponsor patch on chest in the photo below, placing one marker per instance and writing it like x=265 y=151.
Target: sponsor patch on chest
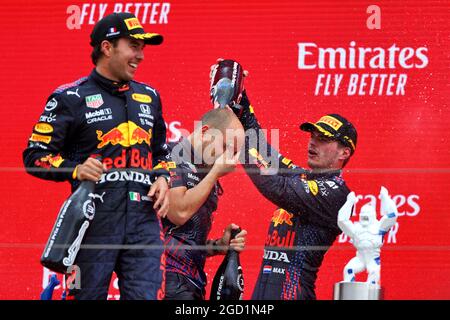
x=94 y=101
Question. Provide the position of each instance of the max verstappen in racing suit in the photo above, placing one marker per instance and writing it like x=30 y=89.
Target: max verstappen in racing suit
x=305 y=225
x=120 y=121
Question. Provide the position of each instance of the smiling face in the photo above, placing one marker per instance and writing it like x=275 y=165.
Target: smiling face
x=326 y=152
x=120 y=61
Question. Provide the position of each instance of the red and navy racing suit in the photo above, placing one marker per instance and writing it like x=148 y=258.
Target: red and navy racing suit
x=122 y=123
x=304 y=226
x=185 y=276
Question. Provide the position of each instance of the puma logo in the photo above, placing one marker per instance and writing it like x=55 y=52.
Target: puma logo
x=94 y=196
x=151 y=89
x=73 y=93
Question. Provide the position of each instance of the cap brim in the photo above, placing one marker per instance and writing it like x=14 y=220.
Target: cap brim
x=309 y=126
x=149 y=38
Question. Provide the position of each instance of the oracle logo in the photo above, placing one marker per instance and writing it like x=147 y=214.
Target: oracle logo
x=311 y=56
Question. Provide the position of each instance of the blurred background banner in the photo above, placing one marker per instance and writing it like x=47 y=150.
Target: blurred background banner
x=383 y=67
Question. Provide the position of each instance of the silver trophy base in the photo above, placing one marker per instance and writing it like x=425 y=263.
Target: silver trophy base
x=357 y=291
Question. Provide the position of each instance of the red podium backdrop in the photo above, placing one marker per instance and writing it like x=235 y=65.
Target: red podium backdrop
x=385 y=68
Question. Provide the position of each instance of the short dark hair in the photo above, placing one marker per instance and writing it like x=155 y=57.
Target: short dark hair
x=217 y=119
x=351 y=153
x=97 y=50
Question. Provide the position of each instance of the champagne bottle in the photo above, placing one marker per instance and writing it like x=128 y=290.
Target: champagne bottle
x=74 y=218
x=228 y=283
x=227 y=83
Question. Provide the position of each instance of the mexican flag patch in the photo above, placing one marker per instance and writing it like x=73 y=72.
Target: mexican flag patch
x=134 y=196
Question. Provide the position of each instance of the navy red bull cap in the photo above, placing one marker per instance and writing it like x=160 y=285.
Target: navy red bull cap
x=122 y=24
x=335 y=126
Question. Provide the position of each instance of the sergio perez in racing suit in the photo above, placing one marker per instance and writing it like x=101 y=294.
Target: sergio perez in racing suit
x=122 y=123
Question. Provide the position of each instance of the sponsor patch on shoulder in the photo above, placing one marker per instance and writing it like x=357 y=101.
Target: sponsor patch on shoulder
x=51 y=104
x=40 y=138
x=144 y=98
x=313 y=187
x=43 y=128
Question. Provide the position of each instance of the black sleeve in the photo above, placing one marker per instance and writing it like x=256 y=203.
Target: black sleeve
x=42 y=157
x=178 y=176
x=160 y=152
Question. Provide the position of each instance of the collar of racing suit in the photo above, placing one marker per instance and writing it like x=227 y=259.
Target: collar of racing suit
x=114 y=87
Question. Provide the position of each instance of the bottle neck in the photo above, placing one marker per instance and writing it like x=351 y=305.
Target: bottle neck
x=89 y=185
x=232 y=253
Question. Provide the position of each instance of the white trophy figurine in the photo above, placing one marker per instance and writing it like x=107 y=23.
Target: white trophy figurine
x=367 y=236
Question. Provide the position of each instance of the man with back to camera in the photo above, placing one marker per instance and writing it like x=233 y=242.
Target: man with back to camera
x=305 y=224
x=107 y=114
x=207 y=154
